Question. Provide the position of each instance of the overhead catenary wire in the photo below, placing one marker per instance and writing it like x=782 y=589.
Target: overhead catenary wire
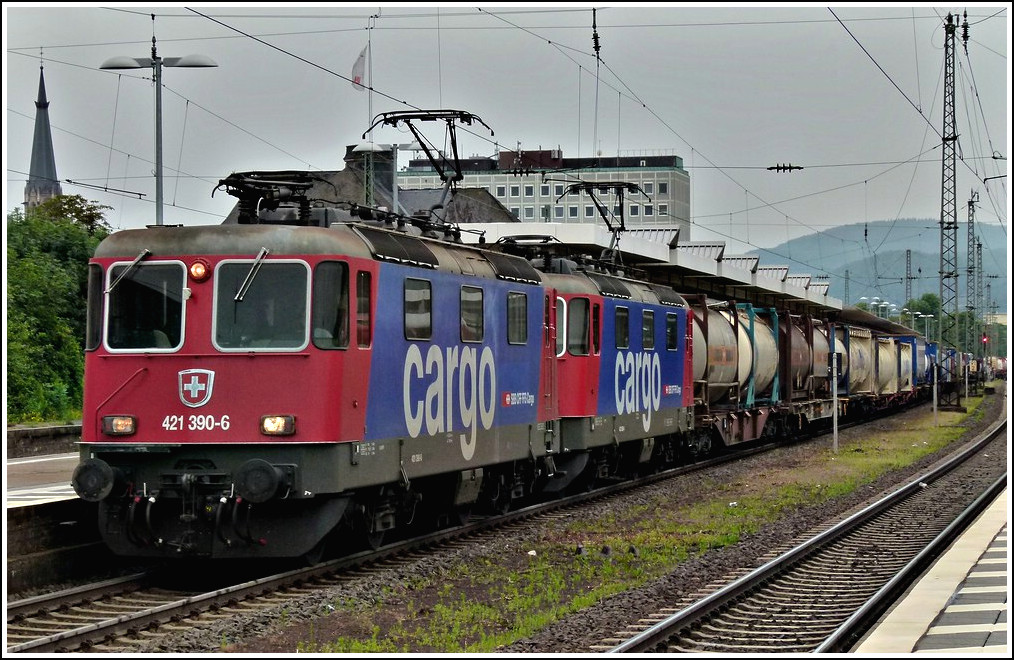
x=623 y=96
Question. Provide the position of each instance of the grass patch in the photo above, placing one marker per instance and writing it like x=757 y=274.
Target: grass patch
x=479 y=607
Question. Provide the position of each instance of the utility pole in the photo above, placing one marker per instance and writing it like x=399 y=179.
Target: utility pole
x=978 y=294
x=846 y=287
x=970 y=339
x=947 y=336
x=908 y=277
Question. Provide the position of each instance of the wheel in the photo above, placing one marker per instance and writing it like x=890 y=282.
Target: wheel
x=375 y=540
x=460 y=515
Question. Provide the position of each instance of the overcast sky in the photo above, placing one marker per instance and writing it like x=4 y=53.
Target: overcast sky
x=851 y=93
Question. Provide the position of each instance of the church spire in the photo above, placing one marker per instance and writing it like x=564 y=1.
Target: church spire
x=42 y=181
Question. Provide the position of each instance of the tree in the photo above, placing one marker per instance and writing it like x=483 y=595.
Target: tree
x=47 y=268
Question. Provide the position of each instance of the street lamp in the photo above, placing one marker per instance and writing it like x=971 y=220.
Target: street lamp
x=884 y=305
x=927 y=317
x=156 y=63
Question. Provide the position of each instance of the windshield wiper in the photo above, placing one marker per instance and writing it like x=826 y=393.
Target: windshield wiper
x=251 y=275
x=144 y=254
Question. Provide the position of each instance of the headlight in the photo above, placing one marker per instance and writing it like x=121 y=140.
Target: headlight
x=278 y=425
x=119 y=425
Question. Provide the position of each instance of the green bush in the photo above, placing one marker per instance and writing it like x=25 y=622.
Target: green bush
x=47 y=266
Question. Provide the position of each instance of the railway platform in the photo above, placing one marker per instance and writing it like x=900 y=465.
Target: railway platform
x=959 y=606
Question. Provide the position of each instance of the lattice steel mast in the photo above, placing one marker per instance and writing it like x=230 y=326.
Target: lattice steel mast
x=947 y=337
x=970 y=297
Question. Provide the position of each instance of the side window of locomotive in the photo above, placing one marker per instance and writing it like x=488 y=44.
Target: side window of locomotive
x=418 y=309
x=671 y=332
x=261 y=306
x=647 y=330
x=561 y=327
x=93 y=322
x=331 y=305
x=145 y=306
x=622 y=327
x=577 y=326
x=471 y=314
x=596 y=329
x=364 y=307
x=517 y=318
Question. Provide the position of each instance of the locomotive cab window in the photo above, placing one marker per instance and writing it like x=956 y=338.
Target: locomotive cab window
x=144 y=306
x=364 y=307
x=418 y=309
x=331 y=305
x=577 y=326
x=471 y=314
x=648 y=330
x=261 y=305
x=93 y=322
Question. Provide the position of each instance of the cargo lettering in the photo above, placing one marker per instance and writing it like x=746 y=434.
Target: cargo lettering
x=450 y=387
x=638 y=384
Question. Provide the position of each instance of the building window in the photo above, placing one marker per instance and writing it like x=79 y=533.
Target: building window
x=663 y=209
x=572 y=211
x=501 y=191
x=529 y=212
x=516 y=211
x=529 y=190
x=589 y=211
x=544 y=190
x=558 y=212
x=663 y=187
x=649 y=209
x=648 y=188
x=559 y=189
x=634 y=210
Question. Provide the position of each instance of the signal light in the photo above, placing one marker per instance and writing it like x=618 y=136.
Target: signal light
x=985 y=339
x=199 y=270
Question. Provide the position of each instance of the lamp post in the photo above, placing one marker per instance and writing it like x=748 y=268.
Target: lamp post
x=927 y=318
x=156 y=63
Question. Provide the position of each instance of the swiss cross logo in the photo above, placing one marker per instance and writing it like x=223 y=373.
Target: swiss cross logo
x=195 y=386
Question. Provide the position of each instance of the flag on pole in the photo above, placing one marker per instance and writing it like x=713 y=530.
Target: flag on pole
x=359 y=69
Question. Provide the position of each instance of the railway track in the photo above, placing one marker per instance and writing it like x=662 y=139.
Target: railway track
x=822 y=595
x=120 y=615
